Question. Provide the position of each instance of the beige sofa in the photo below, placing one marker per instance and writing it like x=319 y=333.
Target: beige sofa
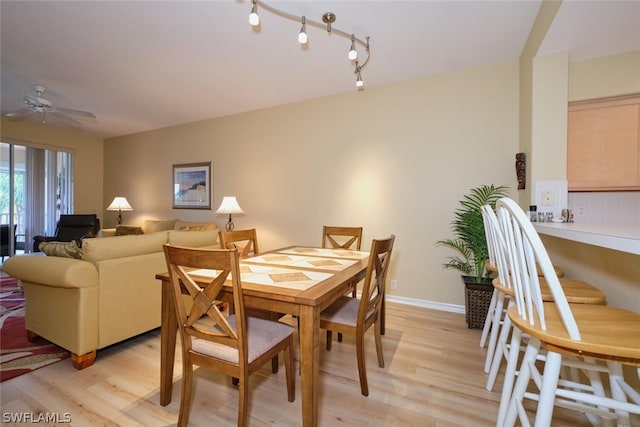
x=107 y=296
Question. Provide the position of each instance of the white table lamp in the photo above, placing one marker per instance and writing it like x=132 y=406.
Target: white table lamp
x=229 y=206
x=120 y=204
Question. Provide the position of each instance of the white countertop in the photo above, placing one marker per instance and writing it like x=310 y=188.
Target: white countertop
x=620 y=238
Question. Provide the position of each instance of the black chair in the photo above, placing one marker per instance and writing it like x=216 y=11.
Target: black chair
x=71 y=227
x=5 y=247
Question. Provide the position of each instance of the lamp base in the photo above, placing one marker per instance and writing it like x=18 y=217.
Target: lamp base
x=229 y=225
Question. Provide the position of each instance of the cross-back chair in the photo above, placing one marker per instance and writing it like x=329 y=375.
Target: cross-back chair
x=341 y=237
x=338 y=237
x=595 y=338
x=246 y=241
x=235 y=345
x=355 y=316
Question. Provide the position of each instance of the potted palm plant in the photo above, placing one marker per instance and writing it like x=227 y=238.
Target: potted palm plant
x=471 y=253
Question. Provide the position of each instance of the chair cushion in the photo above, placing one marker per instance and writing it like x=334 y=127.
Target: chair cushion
x=261 y=334
x=344 y=311
x=61 y=249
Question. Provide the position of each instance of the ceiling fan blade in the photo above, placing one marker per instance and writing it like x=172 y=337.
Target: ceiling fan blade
x=76 y=112
x=61 y=118
x=19 y=113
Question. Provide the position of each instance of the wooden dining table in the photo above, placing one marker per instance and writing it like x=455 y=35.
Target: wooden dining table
x=297 y=280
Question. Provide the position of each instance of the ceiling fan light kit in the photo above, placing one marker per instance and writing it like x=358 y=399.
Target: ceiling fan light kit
x=40 y=105
x=327 y=23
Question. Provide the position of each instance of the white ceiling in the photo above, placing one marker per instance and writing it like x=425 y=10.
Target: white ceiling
x=141 y=65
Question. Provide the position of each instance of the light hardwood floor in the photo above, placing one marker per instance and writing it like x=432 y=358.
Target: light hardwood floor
x=432 y=377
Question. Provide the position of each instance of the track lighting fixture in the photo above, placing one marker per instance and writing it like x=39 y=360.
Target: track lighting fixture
x=302 y=35
x=254 y=18
x=327 y=23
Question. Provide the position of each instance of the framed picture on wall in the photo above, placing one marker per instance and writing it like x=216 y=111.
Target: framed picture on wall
x=192 y=186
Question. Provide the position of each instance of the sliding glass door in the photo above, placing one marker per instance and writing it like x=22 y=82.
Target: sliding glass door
x=36 y=187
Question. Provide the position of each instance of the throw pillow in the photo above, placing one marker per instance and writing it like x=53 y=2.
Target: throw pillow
x=125 y=230
x=195 y=226
x=152 y=226
x=61 y=249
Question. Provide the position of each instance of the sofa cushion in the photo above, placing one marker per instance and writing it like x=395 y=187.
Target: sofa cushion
x=125 y=230
x=61 y=249
x=194 y=226
x=99 y=249
x=193 y=238
x=151 y=225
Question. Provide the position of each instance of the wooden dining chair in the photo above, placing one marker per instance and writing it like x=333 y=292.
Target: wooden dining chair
x=236 y=345
x=246 y=241
x=576 y=291
x=354 y=316
x=343 y=238
x=596 y=339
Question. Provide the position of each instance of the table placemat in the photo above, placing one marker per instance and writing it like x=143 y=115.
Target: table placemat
x=326 y=252
x=273 y=276
x=313 y=262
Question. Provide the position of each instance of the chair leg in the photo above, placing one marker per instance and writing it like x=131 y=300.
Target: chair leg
x=185 y=400
x=243 y=396
x=362 y=367
x=488 y=320
x=289 y=368
x=329 y=339
x=496 y=318
x=524 y=375
x=510 y=372
x=499 y=352
x=548 y=389
x=274 y=364
x=378 y=337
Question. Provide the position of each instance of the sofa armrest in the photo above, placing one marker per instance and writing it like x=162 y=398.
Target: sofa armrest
x=52 y=271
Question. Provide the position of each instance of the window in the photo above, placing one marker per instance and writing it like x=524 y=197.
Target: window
x=36 y=187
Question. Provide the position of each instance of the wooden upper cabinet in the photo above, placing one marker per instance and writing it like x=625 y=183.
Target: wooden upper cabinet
x=603 y=144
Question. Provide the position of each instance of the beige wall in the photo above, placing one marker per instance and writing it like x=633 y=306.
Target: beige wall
x=88 y=160
x=606 y=76
x=616 y=273
x=394 y=159
x=549 y=120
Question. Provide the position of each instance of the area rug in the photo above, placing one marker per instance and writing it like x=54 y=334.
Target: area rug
x=18 y=354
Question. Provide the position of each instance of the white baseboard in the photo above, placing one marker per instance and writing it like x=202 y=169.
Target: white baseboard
x=453 y=308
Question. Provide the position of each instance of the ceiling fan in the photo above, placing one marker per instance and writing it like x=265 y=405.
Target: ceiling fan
x=39 y=105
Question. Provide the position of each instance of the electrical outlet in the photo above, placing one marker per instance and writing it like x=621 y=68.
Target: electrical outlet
x=394 y=284
x=581 y=210
x=547 y=198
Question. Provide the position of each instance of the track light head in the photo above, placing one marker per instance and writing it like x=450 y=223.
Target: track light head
x=254 y=18
x=353 y=53
x=302 y=35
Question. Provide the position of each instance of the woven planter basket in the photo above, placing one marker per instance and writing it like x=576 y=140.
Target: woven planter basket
x=477 y=299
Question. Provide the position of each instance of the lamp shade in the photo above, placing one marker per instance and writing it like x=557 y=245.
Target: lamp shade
x=229 y=205
x=120 y=204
